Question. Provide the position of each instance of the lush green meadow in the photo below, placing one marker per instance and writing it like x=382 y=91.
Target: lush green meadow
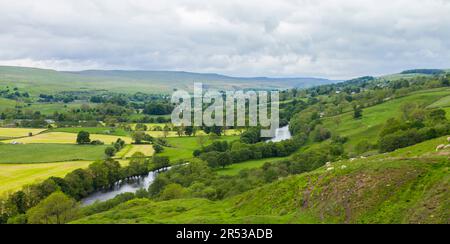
x=441 y=103
x=183 y=147
x=18 y=132
x=44 y=153
x=234 y=169
x=15 y=176
x=368 y=127
x=94 y=130
x=65 y=138
x=147 y=150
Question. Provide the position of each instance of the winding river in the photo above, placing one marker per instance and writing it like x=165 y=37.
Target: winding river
x=134 y=184
x=282 y=134
x=130 y=185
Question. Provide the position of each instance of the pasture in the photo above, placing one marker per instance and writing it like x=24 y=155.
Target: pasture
x=94 y=130
x=18 y=132
x=374 y=117
x=15 y=176
x=65 y=138
x=441 y=103
x=234 y=169
x=184 y=147
x=147 y=150
x=44 y=153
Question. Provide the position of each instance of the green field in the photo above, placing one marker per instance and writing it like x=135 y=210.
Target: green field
x=183 y=147
x=372 y=190
x=234 y=169
x=94 y=130
x=374 y=117
x=18 y=132
x=65 y=138
x=15 y=176
x=147 y=150
x=441 y=103
x=43 y=153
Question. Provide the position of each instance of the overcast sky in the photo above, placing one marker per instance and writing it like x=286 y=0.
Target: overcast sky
x=323 y=38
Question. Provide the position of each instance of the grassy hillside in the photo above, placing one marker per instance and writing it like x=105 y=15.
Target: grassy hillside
x=41 y=81
x=373 y=119
x=391 y=188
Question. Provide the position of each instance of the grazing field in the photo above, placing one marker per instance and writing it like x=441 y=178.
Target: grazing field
x=50 y=108
x=374 y=117
x=18 y=132
x=43 y=153
x=199 y=133
x=234 y=169
x=66 y=138
x=183 y=147
x=147 y=150
x=7 y=103
x=14 y=176
x=441 y=103
x=94 y=130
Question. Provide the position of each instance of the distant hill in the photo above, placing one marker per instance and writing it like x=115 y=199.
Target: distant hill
x=424 y=71
x=44 y=80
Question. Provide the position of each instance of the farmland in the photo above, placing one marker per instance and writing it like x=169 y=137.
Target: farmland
x=43 y=153
x=18 y=132
x=14 y=176
x=183 y=147
x=65 y=138
x=93 y=130
x=234 y=169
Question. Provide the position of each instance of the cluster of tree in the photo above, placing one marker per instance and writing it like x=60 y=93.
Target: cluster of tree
x=116 y=147
x=45 y=98
x=13 y=94
x=252 y=135
x=416 y=125
x=76 y=185
x=84 y=138
x=141 y=137
x=158 y=108
x=221 y=154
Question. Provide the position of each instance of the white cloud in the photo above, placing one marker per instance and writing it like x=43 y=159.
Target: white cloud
x=328 y=38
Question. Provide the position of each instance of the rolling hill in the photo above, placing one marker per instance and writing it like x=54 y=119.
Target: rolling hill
x=44 y=80
x=394 y=188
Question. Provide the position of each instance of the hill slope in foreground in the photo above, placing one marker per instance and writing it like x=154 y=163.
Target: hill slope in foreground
x=407 y=186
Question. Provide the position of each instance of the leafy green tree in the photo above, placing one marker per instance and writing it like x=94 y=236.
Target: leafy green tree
x=141 y=127
x=110 y=152
x=173 y=191
x=158 y=148
x=224 y=159
x=19 y=200
x=189 y=130
x=357 y=112
x=161 y=162
x=83 y=137
x=138 y=137
x=55 y=209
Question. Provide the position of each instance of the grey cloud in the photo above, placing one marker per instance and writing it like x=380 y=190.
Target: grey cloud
x=327 y=38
